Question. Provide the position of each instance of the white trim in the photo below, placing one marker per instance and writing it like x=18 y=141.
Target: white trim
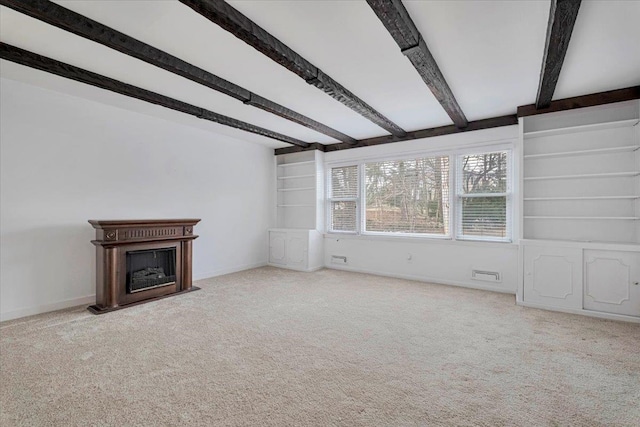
x=420 y=240
x=468 y=149
x=581 y=128
x=296 y=176
x=611 y=246
x=409 y=235
x=483 y=195
x=223 y=271
x=584 y=175
x=362 y=195
x=425 y=279
x=629 y=218
x=453 y=201
x=485 y=239
x=288 y=267
x=628 y=148
x=343 y=199
x=342 y=233
x=535 y=199
x=447 y=148
x=91 y=299
x=579 y=311
x=518 y=215
x=283 y=165
x=518 y=184
x=45 y=308
x=296 y=189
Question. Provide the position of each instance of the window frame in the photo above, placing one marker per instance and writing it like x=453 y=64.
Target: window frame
x=508 y=195
x=330 y=199
x=455 y=155
x=363 y=208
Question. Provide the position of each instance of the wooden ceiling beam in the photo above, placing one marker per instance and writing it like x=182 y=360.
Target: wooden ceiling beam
x=424 y=133
x=68 y=20
x=222 y=14
x=591 y=100
x=562 y=18
x=397 y=21
x=30 y=59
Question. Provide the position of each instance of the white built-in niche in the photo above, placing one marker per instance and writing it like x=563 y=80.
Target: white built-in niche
x=300 y=190
x=581 y=172
x=580 y=246
x=296 y=241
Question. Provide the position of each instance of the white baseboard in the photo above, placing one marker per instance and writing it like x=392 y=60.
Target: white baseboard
x=294 y=268
x=582 y=312
x=435 y=280
x=91 y=299
x=223 y=271
x=39 y=309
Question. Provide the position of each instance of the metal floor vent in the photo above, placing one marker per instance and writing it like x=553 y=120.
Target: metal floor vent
x=486 y=276
x=338 y=259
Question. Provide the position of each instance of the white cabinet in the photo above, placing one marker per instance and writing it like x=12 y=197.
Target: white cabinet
x=580 y=211
x=612 y=282
x=589 y=278
x=277 y=247
x=297 y=243
x=553 y=276
x=295 y=249
x=298 y=250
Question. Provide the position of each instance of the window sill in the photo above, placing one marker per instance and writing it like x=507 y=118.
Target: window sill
x=445 y=240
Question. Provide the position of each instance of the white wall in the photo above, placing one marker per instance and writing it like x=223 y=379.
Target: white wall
x=65 y=160
x=437 y=261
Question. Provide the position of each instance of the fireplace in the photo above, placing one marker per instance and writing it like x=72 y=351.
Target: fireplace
x=150 y=268
x=141 y=260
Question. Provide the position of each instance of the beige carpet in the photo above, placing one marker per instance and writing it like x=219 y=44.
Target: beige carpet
x=271 y=347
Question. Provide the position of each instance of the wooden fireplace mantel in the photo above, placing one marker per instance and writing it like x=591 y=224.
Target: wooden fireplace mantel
x=114 y=238
x=115 y=232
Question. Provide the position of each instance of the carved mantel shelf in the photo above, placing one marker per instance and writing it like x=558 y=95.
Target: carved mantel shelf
x=117 y=239
x=118 y=232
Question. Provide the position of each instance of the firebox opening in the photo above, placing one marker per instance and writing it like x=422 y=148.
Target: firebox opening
x=150 y=268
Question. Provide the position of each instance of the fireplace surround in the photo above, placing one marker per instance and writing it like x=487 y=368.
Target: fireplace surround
x=141 y=260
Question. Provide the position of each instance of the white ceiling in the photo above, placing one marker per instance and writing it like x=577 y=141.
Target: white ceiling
x=490 y=52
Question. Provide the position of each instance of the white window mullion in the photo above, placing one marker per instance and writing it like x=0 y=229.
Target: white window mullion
x=363 y=199
x=453 y=191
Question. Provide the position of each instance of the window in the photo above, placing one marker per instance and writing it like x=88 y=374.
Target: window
x=483 y=196
x=411 y=197
x=343 y=199
x=407 y=196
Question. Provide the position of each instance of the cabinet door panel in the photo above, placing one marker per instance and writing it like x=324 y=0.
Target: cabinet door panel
x=553 y=276
x=277 y=247
x=610 y=282
x=297 y=249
